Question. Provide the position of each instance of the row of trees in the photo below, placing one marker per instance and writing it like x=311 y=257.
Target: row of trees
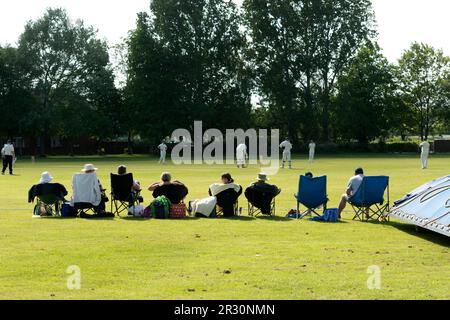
x=310 y=68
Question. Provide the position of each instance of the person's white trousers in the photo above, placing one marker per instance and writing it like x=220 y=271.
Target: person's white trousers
x=162 y=159
x=424 y=159
x=311 y=155
x=286 y=156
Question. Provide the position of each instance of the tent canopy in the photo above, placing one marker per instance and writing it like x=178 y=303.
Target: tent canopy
x=427 y=206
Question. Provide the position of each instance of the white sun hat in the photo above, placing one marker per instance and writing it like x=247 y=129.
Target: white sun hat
x=46 y=177
x=89 y=167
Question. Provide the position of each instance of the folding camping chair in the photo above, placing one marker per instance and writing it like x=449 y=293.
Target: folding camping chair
x=83 y=202
x=226 y=197
x=312 y=193
x=48 y=201
x=368 y=201
x=84 y=207
x=121 y=193
x=258 y=198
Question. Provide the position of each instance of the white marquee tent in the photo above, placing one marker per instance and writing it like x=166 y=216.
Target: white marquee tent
x=427 y=206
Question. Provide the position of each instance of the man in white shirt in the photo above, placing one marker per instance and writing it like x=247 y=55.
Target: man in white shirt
x=312 y=151
x=425 y=152
x=241 y=155
x=8 y=156
x=163 y=150
x=353 y=185
x=286 y=145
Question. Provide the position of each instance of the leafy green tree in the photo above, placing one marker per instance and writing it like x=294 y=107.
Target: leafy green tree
x=423 y=74
x=282 y=55
x=185 y=64
x=64 y=55
x=366 y=99
x=345 y=25
x=299 y=49
x=16 y=100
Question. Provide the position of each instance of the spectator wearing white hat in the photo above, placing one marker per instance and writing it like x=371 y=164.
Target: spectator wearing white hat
x=89 y=189
x=45 y=187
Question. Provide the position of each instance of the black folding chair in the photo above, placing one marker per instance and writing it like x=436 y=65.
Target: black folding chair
x=175 y=192
x=84 y=207
x=261 y=200
x=228 y=203
x=50 y=202
x=49 y=197
x=122 y=195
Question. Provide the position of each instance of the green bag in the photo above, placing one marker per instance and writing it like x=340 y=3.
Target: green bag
x=160 y=207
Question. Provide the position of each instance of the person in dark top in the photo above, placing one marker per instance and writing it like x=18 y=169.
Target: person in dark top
x=260 y=194
x=175 y=191
x=226 y=193
x=45 y=187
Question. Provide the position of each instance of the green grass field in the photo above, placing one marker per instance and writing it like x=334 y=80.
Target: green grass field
x=241 y=258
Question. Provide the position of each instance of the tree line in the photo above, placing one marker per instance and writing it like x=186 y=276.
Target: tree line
x=310 y=68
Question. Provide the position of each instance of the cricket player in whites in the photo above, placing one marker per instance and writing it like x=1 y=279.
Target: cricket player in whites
x=241 y=155
x=163 y=150
x=425 y=152
x=312 y=151
x=286 y=145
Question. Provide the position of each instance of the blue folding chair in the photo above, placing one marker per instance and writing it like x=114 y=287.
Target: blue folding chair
x=312 y=193
x=369 y=200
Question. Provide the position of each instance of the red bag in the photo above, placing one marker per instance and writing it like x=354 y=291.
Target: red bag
x=177 y=211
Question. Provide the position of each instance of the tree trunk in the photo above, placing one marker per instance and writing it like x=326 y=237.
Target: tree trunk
x=130 y=143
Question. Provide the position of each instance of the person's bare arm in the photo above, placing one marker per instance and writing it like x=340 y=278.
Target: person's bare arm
x=153 y=186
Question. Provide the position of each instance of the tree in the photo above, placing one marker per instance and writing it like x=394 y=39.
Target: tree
x=16 y=100
x=64 y=55
x=186 y=64
x=282 y=54
x=345 y=25
x=423 y=74
x=299 y=49
x=366 y=99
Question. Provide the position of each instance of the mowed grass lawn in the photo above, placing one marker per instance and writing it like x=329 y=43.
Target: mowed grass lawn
x=242 y=258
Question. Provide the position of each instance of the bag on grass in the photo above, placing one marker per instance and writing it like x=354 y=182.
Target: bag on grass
x=67 y=211
x=329 y=215
x=137 y=211
x=160 y=208
x=177 y=211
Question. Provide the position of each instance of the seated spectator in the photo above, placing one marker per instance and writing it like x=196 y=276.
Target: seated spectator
x=260 y=193
x=309 y=175
x=135 y=189
x=175 y=191
x=88 y=190
x=223 y=194
x=353 y=185
x=227 y=193
x=45 y=187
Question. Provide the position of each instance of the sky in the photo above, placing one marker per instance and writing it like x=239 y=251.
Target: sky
x=400 y=22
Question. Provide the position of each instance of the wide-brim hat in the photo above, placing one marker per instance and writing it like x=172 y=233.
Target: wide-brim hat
x=46 y=177
x=89 y=167
x=262 y=177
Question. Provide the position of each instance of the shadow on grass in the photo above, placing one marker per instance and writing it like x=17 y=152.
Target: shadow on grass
x=274 y=218
x=133 y=219
x=425 y=234
x=238 y=218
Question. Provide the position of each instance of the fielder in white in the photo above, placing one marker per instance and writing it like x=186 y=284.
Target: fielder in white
x=163 y=150
x=241 y=155
x=312 y=151
x=425 y=152
x=286 y=145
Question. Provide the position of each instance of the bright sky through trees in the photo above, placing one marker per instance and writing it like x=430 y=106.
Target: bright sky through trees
x=399 y=21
